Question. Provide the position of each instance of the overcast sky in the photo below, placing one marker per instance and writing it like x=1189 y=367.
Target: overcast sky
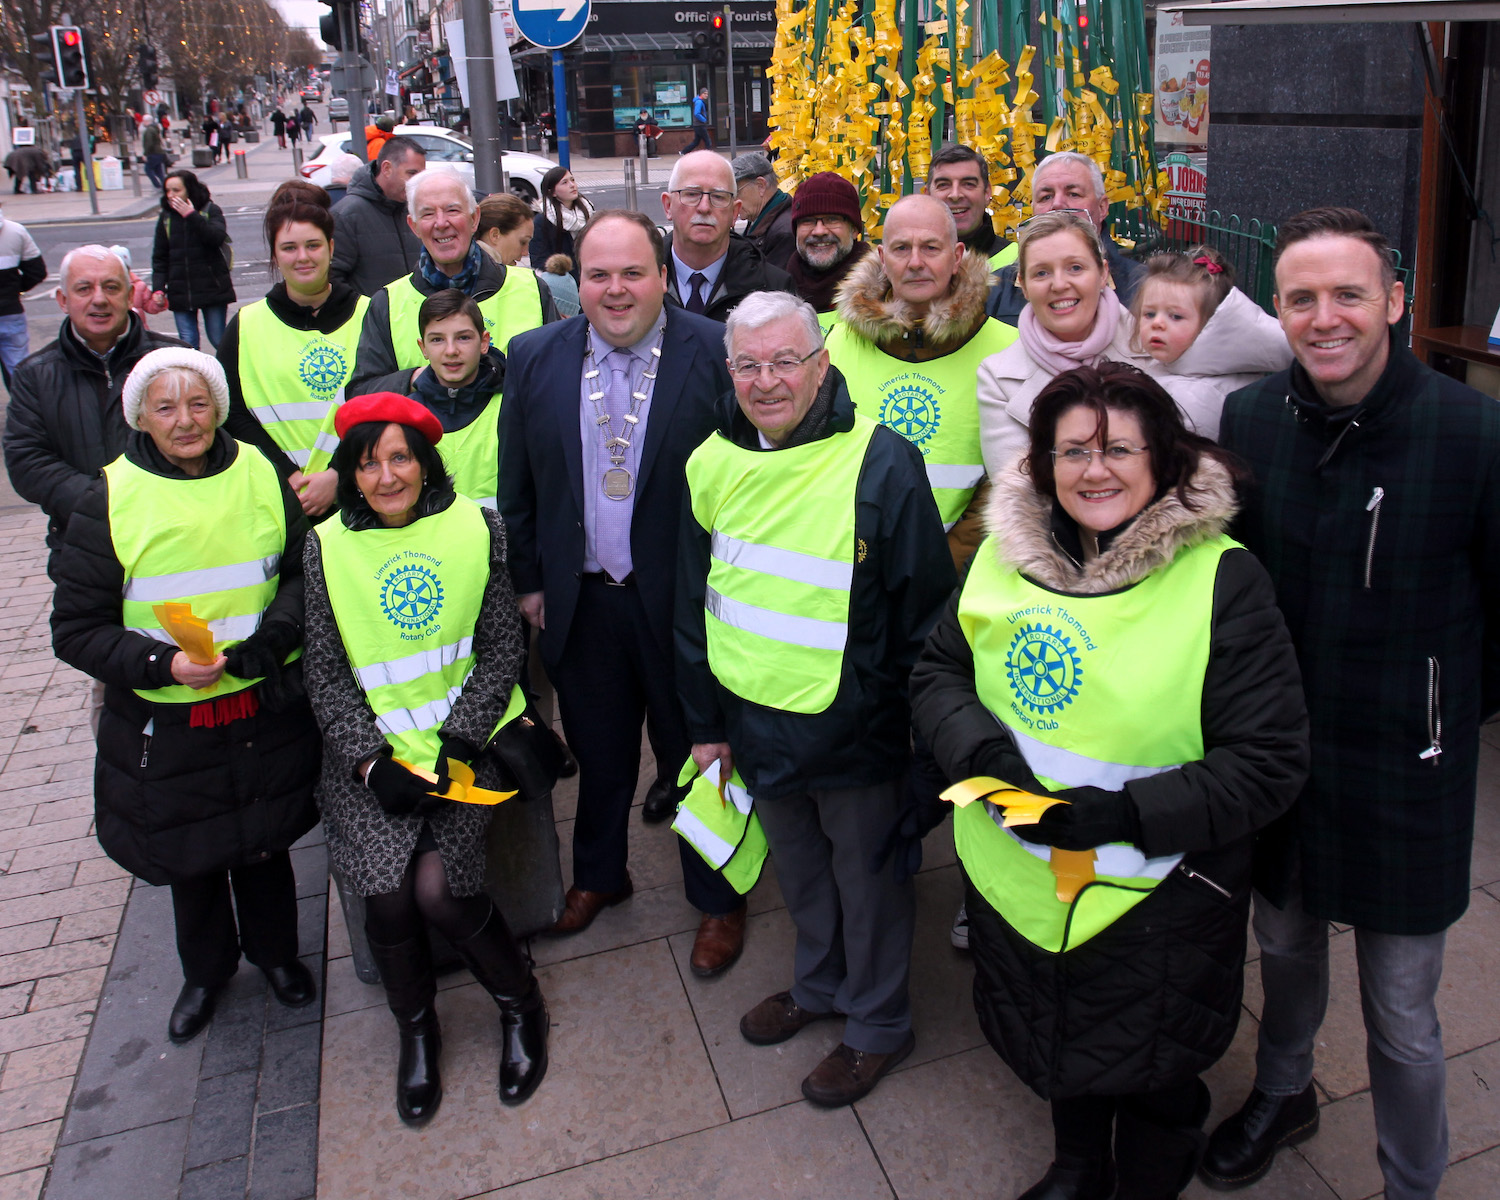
x=303 y=14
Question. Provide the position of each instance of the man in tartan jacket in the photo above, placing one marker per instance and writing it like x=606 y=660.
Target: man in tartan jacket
x=1376 y=511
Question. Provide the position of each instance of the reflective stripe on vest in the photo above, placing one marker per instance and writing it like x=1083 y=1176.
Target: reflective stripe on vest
x=406 y=601
x=514 y=309
x=1097 y=690
x=777 y=598
x=213 y=541
x=1005 y=256
x=472 y=456
x=727 y=836
x=293 y=379
x=933 y=405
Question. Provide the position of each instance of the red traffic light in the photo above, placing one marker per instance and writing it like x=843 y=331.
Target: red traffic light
x=718 y=20
x=1083 y=20
x=70 y=37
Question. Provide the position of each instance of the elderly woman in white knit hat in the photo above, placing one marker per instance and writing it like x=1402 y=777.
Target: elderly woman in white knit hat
x=206 y=760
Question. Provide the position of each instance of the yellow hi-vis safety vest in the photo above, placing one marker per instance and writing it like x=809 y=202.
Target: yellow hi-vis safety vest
x=293 y=380
x=514 y=309
x=214 y=541
x=934 y=405
x=725 y=832
x=1096 y=691
x=782 y=527
x=406 y=601
x=1003 y=258
x=472 y=456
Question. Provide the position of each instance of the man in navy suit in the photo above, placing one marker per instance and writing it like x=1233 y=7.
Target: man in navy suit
x=599 y=416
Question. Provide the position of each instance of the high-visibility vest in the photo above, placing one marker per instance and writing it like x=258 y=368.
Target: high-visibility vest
x=725 y=832
x=212 y=541
x=782 y=528
x=406 y=601
x=1004 y=257
x=514 y=309
x=934 y=405
x=293 y=380
x=472 y=456
x=1097 y=691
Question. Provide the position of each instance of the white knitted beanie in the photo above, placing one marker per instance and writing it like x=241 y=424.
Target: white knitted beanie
x=175 y=358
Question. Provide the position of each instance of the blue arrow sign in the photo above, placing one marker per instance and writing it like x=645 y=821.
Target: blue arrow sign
x=551 y=23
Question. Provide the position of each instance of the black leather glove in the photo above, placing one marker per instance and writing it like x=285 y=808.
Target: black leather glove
x=1091 y=817
x=457 y=748
x=397 y=789
x=260 y=656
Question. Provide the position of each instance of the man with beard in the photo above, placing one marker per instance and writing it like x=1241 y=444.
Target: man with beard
x=830 y=240
x=960 y=178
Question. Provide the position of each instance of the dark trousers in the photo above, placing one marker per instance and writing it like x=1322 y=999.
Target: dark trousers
x=611 y=676
x=265 y=901
x=700 y=134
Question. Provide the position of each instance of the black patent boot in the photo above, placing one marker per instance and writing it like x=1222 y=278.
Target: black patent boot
x=410 y=990
x=505 y=973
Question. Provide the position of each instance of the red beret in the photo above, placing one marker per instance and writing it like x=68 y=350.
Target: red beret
x=387 y=407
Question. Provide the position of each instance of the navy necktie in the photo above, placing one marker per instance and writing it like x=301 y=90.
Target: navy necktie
x=695 y=302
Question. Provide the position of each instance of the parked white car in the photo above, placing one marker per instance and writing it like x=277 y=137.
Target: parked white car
x=524 y=170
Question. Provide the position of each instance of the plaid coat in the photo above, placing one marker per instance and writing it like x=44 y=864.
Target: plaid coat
x=1380 y=527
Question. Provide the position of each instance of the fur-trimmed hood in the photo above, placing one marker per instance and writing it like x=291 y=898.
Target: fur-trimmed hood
x=1020 y=517
x=865 y=304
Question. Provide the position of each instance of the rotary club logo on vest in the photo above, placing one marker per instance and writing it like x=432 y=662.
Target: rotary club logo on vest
x=1044 y=669
x=910 y=408
x=411 y=596
x=323 y=369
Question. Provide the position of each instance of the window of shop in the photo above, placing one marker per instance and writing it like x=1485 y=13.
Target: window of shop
x=666 y=91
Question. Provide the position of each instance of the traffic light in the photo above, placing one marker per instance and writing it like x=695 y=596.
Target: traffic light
x=1083 y=28
x=72 y=64
x=47 y=57
x=146 y=56
x=331 y=28
x=716 y=41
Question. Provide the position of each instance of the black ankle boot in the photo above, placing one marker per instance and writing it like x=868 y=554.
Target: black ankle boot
x=410 y=989
x=505 y=973
x=1157 y=1161
x=1070 y=1178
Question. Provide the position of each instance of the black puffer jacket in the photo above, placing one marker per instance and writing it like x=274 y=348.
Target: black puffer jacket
x=901 y=577
x=172 y=801
x=745 y=270
x=1155 y=997
x=187 y=260
x=372 y=243
x=65 y=420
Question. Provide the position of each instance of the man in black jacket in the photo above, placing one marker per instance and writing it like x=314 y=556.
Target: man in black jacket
x=65 y=423
x=766 y=208
x=709 y=266
x=960 y=178
x=1377 y=516
x=817 y=514
x=372 y=242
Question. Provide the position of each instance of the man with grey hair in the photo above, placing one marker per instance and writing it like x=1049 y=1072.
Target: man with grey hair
x=710 y=268
x=1067 y=180
x=65 y=420
x=442 y=212
x=766 y=208
x=812 y=568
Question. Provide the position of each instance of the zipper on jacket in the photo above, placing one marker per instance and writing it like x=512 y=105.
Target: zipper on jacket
x=1434 y=712
x=1373 y=508
x=1201 y=878
x=146 y=741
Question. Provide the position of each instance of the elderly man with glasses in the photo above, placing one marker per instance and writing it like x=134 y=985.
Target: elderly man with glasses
x=811 y=569
x=711 y=268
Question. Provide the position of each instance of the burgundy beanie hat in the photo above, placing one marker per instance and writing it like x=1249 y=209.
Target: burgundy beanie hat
x=826 y=194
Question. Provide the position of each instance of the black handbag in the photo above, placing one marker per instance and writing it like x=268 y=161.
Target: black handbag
x=528 y=754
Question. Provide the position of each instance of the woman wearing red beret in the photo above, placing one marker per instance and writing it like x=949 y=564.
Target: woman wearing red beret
x=413 y=650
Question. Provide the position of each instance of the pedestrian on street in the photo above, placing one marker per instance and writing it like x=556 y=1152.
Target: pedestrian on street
x=1377 y=514
x=375 y=244
x=306 y=119
x=414 y=857
x=205 y=770
x=28 y=165
x=1157 y=698
x=278 y=127
x=593 y=502
x=290 y=354
x=702 y=136
x=21 y=269
x=189 y=263
x=211 y=137
x=293 y=129
x=155 y=150
x=444 y=215
x=65 y=420
x=807 y=515
x=563 y=213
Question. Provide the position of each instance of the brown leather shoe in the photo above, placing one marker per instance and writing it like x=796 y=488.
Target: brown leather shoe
x=581 y=907
x=718 y=944
x=848 y=1074
x=777 y=1018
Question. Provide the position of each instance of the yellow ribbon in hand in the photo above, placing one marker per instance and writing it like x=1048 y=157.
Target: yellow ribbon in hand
x=1071 y=868
x=460 y=784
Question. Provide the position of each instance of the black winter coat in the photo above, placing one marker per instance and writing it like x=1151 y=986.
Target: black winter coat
x=372 y=243
x=900 y=582
x=1154 y=998
x=1380 y=527
x=745 y=270
x=172 y=801
x=187 y=260
x=772 y=232
x=65 y=421
x=548 y=239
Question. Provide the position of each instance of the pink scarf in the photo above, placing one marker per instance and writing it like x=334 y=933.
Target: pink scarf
x=1057 y=356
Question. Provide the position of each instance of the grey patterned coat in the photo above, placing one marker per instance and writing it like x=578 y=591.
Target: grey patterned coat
x=370 y=848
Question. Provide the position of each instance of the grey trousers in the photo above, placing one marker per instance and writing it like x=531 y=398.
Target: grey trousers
x=1398 y=982
x=854 y=926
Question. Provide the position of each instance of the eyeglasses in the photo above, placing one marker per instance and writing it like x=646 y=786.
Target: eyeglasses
x=1079 y=458
x=693 y=197
x=782 y=368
